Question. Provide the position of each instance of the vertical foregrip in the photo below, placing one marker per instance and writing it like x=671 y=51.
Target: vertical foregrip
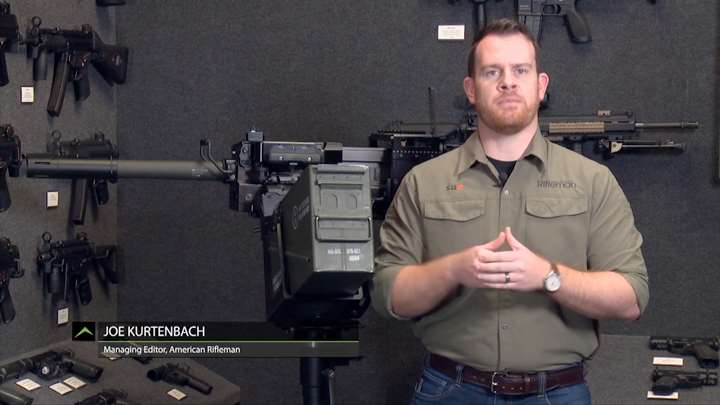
x=577 y=26
x=7 y=309
x=60 y=79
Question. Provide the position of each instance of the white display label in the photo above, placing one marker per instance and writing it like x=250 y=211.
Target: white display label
x=60 y=388
x=53 y=199
x=451 y=32
x=75 y=382
x=63 y=314
x=668 y=361
x=177 y=394
x=28 y=384
x=27 y=94
x=652 y=395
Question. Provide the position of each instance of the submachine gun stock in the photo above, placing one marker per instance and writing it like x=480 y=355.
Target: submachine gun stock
x=9 y=268
x=10 y=162
x=64 y=266
x=74 y=49
x=95 y=146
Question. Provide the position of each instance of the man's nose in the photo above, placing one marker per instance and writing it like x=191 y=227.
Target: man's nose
x=507 y=82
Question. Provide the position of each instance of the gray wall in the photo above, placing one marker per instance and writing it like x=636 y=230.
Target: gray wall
x=27 y=218
x=336 y=71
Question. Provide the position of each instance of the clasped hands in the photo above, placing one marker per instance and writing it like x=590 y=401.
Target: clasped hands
x=484 y=266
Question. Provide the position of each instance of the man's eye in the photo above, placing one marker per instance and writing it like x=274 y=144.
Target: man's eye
x=491 y=73
x=522 y=70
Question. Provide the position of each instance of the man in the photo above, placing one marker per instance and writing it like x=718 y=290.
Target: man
x=506 y=251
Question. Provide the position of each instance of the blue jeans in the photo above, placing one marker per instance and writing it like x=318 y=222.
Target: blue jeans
x=434 y=387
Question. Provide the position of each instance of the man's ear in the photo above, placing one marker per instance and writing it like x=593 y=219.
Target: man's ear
x=469 y=87
x=543 y=82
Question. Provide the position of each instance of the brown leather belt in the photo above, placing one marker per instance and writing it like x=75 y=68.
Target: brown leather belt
x=506 y=383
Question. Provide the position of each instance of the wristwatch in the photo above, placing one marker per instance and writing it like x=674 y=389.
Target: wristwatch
x=552 y=282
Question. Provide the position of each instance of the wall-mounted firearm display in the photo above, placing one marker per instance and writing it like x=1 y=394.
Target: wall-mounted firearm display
x=9 y=36
x=9 y=268
x=10 y=162
x=49 y=366
x=94 y=147
x=531 y=12
x=107 y=396
x=64 y=267
x=73 y=49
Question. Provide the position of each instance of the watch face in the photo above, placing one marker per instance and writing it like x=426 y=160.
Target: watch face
x=552 y=282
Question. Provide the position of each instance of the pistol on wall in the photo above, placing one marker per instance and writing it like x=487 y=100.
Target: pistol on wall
x=705 y=349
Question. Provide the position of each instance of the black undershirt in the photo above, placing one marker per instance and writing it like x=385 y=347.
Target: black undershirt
x=504 y=169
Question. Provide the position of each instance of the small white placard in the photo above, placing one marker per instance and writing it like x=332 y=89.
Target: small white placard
x=668 y=361
x=60 y=388
x=63 y=314
x=652 y=395
x=111 y=358
x=451 y=32
x=177 y=394
x=53 y=199
x=27 y=94
x=28 y=384
x=75 y=382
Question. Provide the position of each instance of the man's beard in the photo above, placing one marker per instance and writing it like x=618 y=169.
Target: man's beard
x=508 y=122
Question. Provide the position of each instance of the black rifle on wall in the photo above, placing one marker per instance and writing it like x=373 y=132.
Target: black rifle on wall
x=9 y=268
x=73 y=49
x=479 y=14
x=665 y=381
x=9 y=35
x=50 y=365
x=94 y=147
x=10 y=162
x=64 y=266
x=612 y=132
x=705 y=349
x=531 y=13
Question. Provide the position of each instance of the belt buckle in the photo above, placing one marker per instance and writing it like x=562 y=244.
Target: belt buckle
x=493 y=383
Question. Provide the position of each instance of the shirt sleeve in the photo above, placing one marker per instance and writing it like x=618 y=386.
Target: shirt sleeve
x=400 y=244
x=615 y=242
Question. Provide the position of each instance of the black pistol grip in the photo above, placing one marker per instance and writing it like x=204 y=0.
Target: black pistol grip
x=8 y=397
x=4 y=79
x=83 y=290
x=60 y=79
x=706 y=356
x=40 y=65
x=78 y=200
x=664 y=385
x=577 y=26
x=81 y=85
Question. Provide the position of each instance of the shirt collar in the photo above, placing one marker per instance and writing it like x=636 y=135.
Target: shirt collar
x=472 y=151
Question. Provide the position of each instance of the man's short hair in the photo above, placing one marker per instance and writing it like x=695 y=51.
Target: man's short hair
x=504 y=26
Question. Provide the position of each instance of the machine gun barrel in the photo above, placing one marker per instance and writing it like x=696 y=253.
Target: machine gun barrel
x=113 y=169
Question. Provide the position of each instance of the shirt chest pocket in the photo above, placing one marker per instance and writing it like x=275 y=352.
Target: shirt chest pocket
x=557 y=227
x=452 y=225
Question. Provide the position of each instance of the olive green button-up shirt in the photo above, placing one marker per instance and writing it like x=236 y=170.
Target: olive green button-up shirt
x=559 y=204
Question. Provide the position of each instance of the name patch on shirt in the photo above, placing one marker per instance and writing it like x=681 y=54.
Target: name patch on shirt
x=556 y=184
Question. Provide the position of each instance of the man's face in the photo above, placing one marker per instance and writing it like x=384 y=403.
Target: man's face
x=506 y=89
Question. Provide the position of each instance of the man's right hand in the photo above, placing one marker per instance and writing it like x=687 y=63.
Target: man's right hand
x=470 y=266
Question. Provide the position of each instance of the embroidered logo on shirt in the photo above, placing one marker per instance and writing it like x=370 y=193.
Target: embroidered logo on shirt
x=555 y=184
x=455 y=187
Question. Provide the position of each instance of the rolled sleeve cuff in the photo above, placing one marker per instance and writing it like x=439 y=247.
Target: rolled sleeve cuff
x=381 y=292
x=639 y=284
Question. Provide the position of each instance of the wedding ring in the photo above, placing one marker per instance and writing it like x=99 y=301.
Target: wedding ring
x=507 y=277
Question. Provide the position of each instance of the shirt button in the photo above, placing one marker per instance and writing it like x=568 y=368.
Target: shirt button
x=506 y=192
x=505 y=326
